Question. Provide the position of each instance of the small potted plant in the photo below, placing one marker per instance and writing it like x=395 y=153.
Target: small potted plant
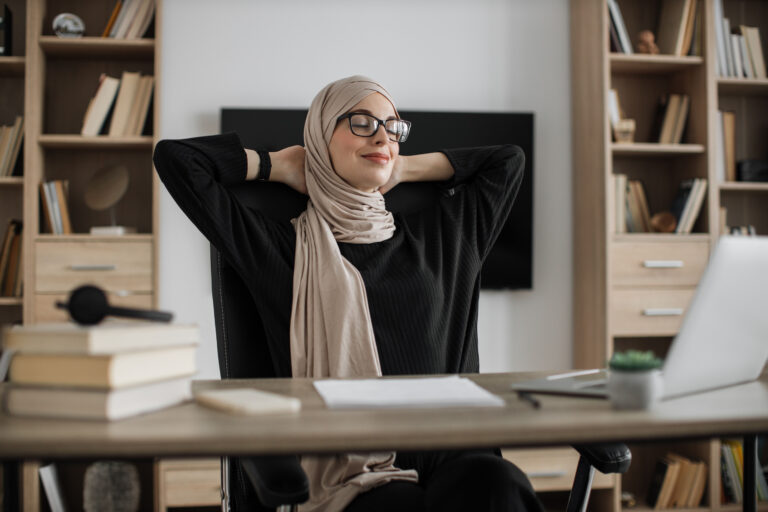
x=634 y=379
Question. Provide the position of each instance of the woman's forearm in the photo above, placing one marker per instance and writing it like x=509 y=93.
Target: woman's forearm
x=427 y=167
x=287 y=167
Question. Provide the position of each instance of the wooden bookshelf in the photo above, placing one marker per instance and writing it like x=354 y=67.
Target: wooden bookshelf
x=58 y=77
x=603 y=285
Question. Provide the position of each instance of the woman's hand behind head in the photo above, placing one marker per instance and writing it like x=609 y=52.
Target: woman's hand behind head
x=288 y=168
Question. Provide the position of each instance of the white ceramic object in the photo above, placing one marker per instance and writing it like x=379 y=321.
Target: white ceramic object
x=634 y=389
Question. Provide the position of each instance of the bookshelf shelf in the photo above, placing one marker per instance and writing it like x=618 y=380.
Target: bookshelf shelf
x=12 y=66
x=11 y=301
x=659 y=237
x=621 y=63
x=743 y=86
x=66 y=141
x=12 y=181
x=737 y=507
x=741 y=186
x=97 y=47
x=47 y=237
x=655 y=149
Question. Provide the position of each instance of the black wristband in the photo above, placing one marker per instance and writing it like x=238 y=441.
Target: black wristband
x=265 y=166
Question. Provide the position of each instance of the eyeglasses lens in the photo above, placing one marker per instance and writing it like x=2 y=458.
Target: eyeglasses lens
x=365 y=126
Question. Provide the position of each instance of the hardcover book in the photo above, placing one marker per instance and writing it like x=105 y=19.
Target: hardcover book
x=109 y=337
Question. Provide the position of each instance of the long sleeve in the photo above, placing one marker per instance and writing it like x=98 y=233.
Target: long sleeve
x=198 y=173
x=483 y=190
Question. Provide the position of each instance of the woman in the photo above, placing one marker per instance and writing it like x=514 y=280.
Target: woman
x=349 y=289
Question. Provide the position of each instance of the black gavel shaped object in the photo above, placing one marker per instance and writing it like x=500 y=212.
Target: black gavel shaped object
x=88 y=305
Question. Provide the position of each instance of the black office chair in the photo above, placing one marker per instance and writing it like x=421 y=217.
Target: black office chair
x=278 y=482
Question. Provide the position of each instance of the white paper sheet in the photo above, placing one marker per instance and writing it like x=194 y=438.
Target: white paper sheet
x=452 y=391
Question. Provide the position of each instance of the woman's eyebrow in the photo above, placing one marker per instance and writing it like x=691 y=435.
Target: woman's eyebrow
x=366 y=111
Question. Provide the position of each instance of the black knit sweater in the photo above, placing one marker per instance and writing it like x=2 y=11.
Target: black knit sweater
x=422 y=284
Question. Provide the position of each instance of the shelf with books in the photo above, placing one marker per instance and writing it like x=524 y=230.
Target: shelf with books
x=84 y=237
x=655 y=149
x=67 y=141
x=97 y=47
x=12 y=181
x=12 y=66
x=743 y=86
x=644 y=63
x=11 y=301
x=743 y=186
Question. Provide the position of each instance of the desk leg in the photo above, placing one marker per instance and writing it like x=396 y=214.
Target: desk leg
x=750 y=474
x=30 y=486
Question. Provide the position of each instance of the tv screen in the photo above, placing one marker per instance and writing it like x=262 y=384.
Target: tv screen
x=510 y=263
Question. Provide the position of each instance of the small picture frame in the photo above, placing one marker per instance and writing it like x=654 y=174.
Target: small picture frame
x=5 y=32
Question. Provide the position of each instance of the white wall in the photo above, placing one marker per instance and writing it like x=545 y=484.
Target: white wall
x=509 y=55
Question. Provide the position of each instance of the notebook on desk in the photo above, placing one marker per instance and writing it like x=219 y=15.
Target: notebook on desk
x=723 y=339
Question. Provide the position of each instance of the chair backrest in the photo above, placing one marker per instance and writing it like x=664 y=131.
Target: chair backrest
x=239 y=329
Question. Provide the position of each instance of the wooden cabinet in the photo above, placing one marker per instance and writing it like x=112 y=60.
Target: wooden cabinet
x=631 y=290
x=63 y=75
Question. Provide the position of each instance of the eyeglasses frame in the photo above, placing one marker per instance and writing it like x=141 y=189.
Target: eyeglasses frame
x=379 y=123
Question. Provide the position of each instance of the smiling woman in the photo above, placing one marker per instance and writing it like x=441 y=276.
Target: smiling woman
x=349 y=289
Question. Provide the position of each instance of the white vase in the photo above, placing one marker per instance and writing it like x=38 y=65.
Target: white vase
x=634 y=389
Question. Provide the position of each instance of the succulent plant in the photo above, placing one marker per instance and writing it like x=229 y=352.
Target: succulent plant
x=634 y=361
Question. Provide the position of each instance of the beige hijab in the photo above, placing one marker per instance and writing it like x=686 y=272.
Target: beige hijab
x=331 y=333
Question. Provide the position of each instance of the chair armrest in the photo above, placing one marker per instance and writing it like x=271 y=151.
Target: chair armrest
x=607 y=457
x=278 y=480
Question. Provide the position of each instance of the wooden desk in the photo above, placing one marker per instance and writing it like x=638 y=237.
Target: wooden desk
x=192 y=430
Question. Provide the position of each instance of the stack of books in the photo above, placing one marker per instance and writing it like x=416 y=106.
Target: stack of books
x=10 y=147
x=109 y=371
x=671 y=118
x=688 y=202
x=130 y=19
x=11 y=261
x=120 y=106
x=53 y=199
x=677 y=482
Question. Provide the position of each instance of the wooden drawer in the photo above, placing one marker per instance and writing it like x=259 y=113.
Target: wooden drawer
x=553 y=469
x=46 y=310
x=189 y=483
x=643 y=312
x=658 y=263
x=115 y=266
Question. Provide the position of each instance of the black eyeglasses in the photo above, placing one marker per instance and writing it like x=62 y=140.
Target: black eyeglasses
x=366 y=125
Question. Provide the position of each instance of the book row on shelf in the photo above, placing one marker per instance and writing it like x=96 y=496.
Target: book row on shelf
x=677 y=482
x=739 y=50
x=732 y=474
x=130 y=19
x=109 y=371
x=120 y=106
x=11 y=138
x=633 y=215
x=678 y=31
x=669 y=122
x=53 y=199
x=727 y=168
x=11 y=261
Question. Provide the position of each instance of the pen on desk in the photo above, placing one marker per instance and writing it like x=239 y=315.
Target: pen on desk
x=524 y=395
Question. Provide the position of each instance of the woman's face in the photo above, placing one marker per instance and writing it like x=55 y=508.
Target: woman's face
x=365 y=162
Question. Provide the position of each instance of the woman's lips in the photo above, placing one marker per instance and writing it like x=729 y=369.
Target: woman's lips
x=379 y=158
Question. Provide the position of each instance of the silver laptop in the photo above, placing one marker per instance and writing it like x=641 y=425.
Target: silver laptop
x=723 y=339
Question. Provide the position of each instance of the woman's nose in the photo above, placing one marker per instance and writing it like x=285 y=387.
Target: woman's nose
x=380 y=137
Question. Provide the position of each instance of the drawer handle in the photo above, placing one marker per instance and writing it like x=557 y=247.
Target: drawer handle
x=663 y=312
x=547 y=474
x=85 y=268
x=663 y=264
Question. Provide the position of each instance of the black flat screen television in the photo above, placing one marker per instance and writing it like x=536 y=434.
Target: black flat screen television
x=510 y=263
